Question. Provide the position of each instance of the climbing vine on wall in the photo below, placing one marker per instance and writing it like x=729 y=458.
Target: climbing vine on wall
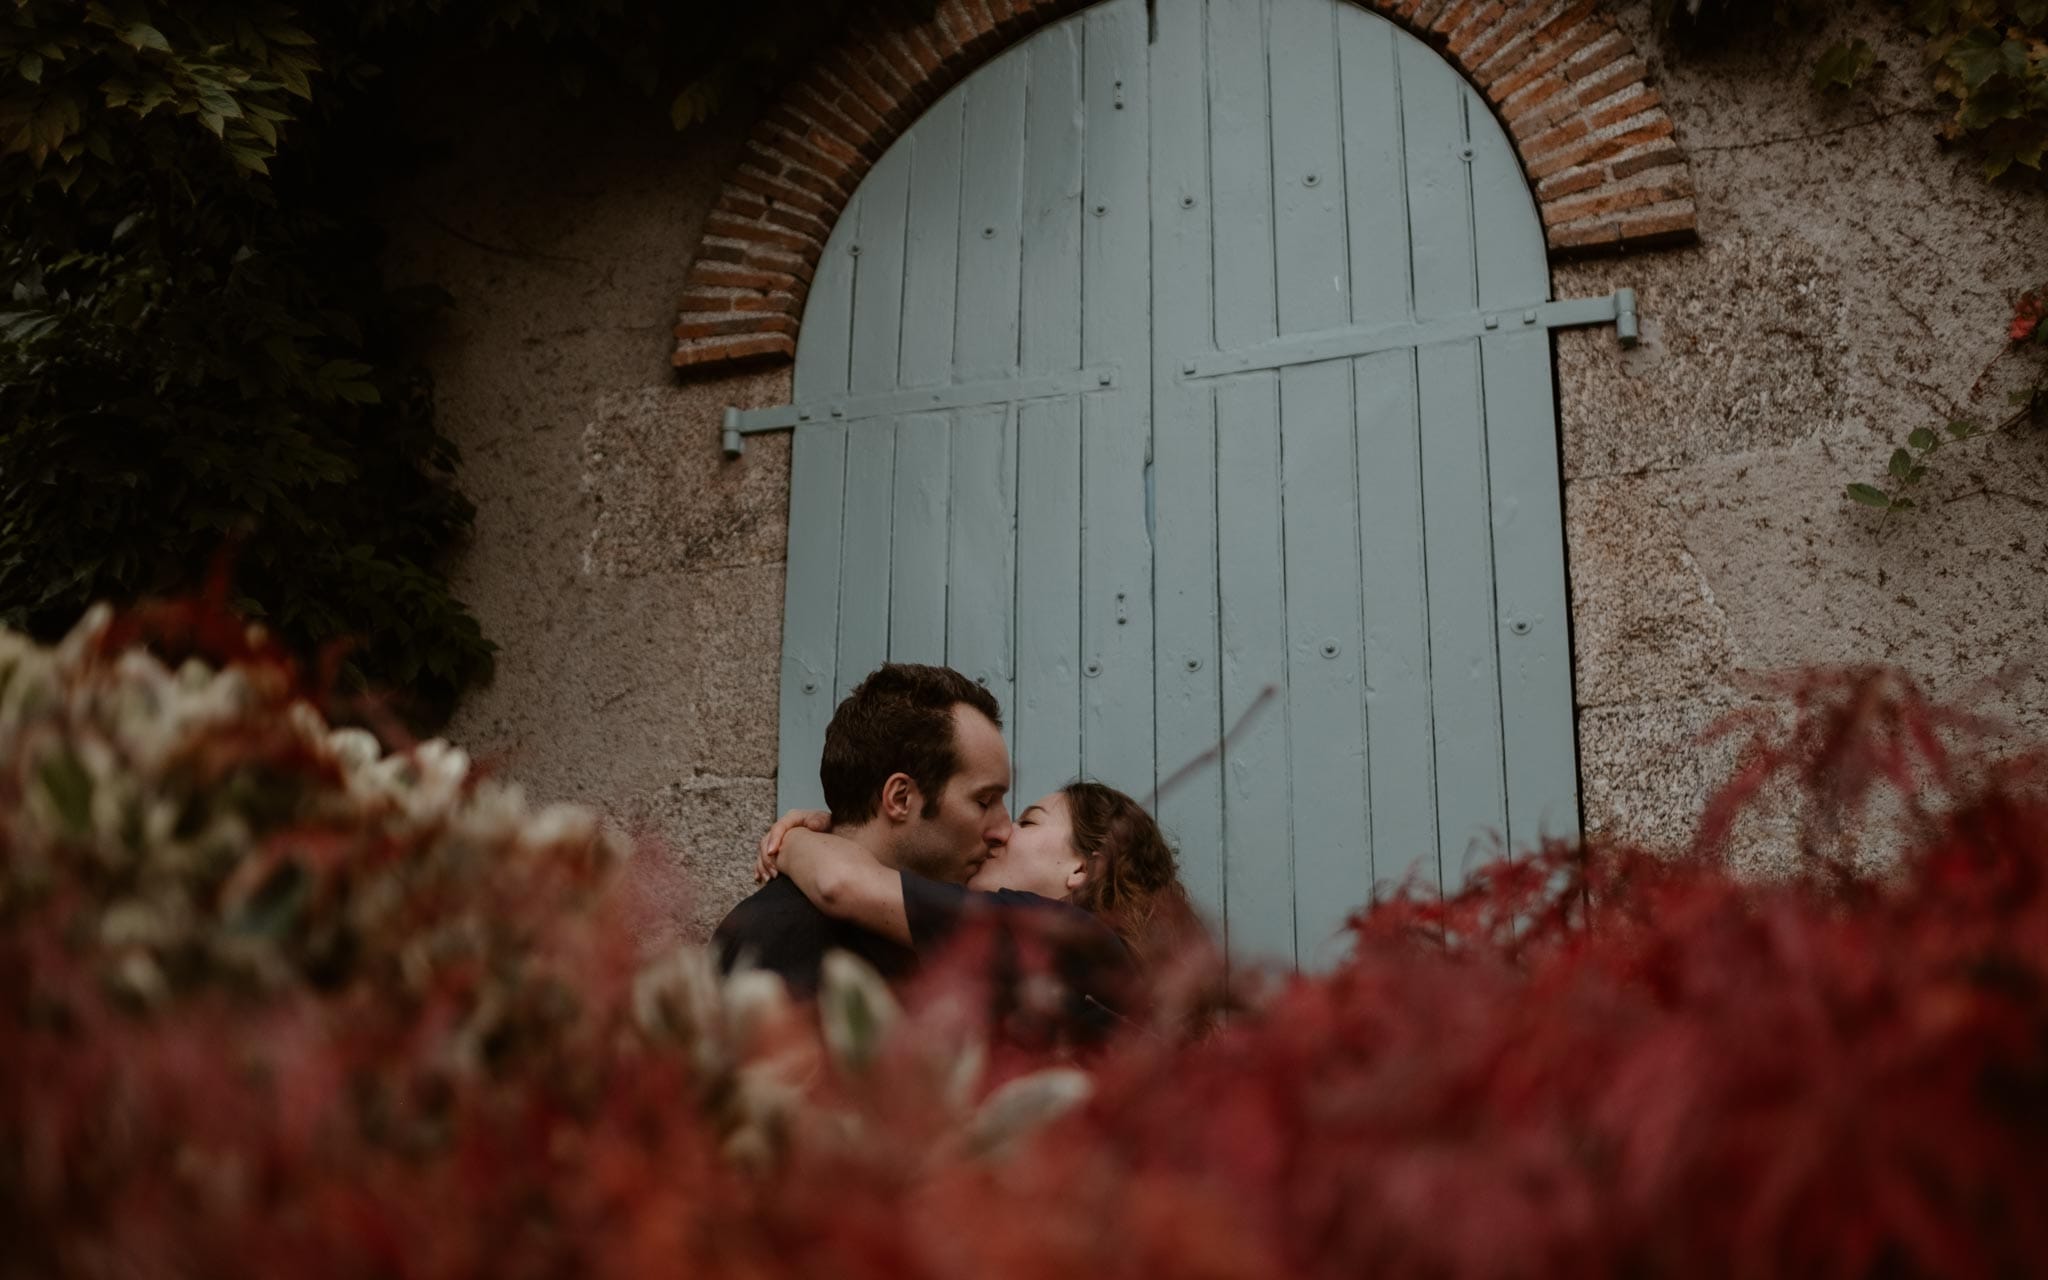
x=196 y=350
x=1910 y=462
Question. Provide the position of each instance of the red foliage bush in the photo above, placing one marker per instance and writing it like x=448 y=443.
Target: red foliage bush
x=275 y=1004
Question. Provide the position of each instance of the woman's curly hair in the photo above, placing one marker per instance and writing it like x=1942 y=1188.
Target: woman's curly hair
x=1133 y=880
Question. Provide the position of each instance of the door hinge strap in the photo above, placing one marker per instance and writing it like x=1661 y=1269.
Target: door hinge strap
x=1617 y=309
x=740 y=423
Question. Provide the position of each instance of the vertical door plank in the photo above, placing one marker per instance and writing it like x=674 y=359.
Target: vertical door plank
x=1375 y=169
x=1319 y=481
x=1258 y=881
x=1116 y=595
x=981 y=570
x=1312 y=273
x=1439 y=183
x=866 y=539
x=1257 y=811
x=1047 y=713
x=1395 y=606
x=1186 y=677
x=1241 y=183
x=931 y=272
x=1393 y=572
x=992 y=156
x=1532 y=622
x=1464 y=672
x=920 y=550
x=1534 y=625
x=1512 y=260
x=817 y=473
x=924 y=467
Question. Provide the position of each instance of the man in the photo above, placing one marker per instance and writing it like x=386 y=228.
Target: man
x=915 y=771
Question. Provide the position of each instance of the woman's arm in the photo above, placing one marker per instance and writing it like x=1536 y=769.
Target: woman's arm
x=844 y=882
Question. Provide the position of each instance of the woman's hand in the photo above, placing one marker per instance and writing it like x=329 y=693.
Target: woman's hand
x=771 y=844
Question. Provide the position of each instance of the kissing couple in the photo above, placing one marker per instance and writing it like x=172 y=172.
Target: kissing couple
x=918 y=842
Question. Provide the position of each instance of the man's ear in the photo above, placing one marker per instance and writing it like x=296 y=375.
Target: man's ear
x=901 y=799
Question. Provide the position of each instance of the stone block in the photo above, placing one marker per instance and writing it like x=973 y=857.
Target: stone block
x=708 y=827
x=1744 y=346
x=1646 y=625
x=663 y=496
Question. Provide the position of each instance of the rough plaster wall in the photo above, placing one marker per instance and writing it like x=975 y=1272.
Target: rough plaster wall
x=1851 y=284
x=632 y=580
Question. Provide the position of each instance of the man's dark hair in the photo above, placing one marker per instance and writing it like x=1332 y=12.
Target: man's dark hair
x=898 y=720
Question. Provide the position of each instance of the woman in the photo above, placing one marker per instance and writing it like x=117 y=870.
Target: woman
x=1086 y=866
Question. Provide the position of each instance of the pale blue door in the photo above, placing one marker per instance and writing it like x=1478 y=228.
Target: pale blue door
x=1187 y=372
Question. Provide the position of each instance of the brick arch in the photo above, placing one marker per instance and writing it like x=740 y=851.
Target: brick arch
x=1592 y=135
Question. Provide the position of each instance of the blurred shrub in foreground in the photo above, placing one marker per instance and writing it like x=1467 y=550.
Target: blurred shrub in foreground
x=275 y=1000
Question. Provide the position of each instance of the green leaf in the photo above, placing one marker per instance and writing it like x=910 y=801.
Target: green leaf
x=1843 y=65
x=69 y=787
x=1901 y=463
x=1870 y=495
x=143 y=36
x=1922 y=438
x=1963 y=428
x=1976 y=57
x=30 y=68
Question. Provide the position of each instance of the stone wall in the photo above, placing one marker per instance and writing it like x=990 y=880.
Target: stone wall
x=1851 y=282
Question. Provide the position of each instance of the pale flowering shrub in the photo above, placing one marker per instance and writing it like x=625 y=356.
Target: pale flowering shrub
x=275 y=999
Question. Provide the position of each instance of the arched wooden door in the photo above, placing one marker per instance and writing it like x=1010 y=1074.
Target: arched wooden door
x=1187 y=374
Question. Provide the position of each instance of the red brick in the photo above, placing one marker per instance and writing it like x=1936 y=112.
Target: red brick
x=781 y=191
x=1584 y=236
x=766 y=257
x=1532 y=97
x=1549 y=46
x=1569 y=182
x=717 y=249
x=797 y=148
x=1470 y=31
x=1612 y=47
x=798 y=221
x=1600 y=204
x=703 y=302
x=825 y=188
x=1426 y=13
x=731 y=275
x=1627 y=108
x=741 y=203
x=1650 y=227
x=733 y=326
x=732 y=351
x=1654 y=158
x=1595 y=87
x=1498 y=34
x=1448 y=18
x=1535 y=119
x=1598 y=148
x=1551 y=140
x=786 y=303
x=731 y=228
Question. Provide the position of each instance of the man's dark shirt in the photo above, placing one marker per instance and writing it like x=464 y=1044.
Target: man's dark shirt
x=783 y=933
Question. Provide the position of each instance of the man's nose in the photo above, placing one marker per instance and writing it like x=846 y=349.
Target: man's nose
x=999 y=833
